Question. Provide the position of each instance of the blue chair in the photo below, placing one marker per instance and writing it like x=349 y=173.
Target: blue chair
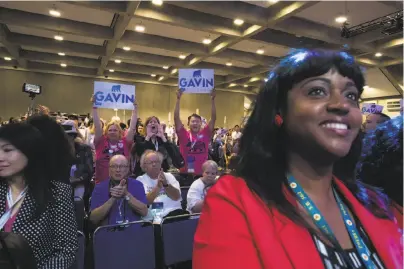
x=125 y=246
x=178 y=238
x=79 y=262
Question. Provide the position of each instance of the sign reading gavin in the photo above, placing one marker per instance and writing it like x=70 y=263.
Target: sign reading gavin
x=368 y=108
x=196 y=80
x=113 y=95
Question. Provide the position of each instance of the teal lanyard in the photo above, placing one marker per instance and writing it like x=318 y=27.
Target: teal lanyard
x=322 y=224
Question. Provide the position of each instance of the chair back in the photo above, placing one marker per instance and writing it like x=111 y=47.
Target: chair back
x=184 y=194
x=79 y=262
x=178 y=238
x=125 y=246
x=80 y=212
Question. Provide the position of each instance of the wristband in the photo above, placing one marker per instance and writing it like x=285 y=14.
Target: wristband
x=94 y=107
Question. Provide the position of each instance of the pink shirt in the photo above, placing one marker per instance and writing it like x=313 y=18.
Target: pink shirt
x=194 y=148
x=8 y=227
x=104 y=151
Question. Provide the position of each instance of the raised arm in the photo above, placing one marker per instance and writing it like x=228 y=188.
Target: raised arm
x=177 y=120
x=97 y=121
x=213 y=111
x=132 y=128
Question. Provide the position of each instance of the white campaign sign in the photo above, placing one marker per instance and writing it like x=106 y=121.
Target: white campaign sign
x=196 y=80
x=113 y=95
x=368 y=108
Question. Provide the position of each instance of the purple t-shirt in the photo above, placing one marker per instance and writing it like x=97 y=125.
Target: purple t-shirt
x=101 y=195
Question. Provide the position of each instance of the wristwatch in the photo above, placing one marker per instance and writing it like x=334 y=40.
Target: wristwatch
x=127 y=198
x=165 y=185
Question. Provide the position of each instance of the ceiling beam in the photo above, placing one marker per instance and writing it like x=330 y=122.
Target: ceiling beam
x=55 y=46
x=56 y=59
x=277 y=13
x=391 y=62
x=121 y=24
x=303 y=27
x=190 y=19
x=13 y=49
x=59 y=25
x=395 y=4
x=109 y=6
x=392 y=80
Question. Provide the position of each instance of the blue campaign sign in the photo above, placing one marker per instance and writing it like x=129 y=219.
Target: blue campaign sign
x=113 y=95
x=368 y=108
x=196 y=80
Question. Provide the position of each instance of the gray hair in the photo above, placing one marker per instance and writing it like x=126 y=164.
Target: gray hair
x=209 y=163
x=147 y=153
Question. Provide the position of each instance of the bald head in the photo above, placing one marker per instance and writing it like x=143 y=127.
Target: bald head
x=118 y=167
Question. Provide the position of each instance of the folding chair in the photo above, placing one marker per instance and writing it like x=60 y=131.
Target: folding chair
x=125 y=246
x=178 y=238
x=80 y=212
x=184 y=193
x=79 y=262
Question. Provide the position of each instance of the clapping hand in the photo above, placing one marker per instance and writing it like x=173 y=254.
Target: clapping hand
x=179 y=93
x=119 y=191
x=162 y=178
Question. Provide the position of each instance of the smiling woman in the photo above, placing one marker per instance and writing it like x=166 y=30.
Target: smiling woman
x=285 y=197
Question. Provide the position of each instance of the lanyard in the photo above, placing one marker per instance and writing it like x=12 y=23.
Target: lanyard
x=322 y=224
x=196 y=140
x=156 y=145
x=11 y=204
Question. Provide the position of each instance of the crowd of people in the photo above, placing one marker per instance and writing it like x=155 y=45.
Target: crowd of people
x=305 y=179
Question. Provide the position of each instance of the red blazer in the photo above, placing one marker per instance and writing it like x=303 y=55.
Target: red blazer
x=237 y=230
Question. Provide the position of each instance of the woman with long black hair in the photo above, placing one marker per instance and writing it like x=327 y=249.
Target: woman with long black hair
x=33 y=203
x=288 y=206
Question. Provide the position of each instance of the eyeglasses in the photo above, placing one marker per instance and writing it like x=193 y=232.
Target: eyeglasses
x=115 y=167
x=152 y=162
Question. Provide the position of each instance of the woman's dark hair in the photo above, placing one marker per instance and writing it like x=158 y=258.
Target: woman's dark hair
x=58 y=152
x=262 y=162
x=150 y=118
x=381 y=163
x=31 y=143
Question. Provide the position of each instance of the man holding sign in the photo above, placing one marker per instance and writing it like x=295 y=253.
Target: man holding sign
x=194 y=143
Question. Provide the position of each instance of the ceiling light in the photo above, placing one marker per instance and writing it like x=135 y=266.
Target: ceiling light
x=260 y=51
x=206 y=41
x=139 y=28
x=341 y=19
x=165 y=67
x=238 y=22
x=161 y=78
x=273 y=1
x=245 y=86
x=174 y=71
x=265 y=79
x=58 y=37
x=63 y=65
x=7 y=58
x=61 y=54
x=232 y=84
x=229 y=64
x=118 y=61
x=111 y=70
x=126 y=48
x=153 y=75
x=54 y=13
x=378 y=54
x=182 y=56
x=157 y=2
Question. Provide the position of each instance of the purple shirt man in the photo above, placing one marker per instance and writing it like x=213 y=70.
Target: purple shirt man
x=118 y=199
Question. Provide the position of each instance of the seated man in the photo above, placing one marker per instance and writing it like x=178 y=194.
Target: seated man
x=160 y=187
x=118 y=199
x=199 y=188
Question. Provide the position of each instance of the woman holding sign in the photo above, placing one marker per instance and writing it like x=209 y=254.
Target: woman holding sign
x=110 y=142
x=287 y=206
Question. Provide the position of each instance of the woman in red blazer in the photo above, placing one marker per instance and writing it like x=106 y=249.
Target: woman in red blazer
x=285 y=207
